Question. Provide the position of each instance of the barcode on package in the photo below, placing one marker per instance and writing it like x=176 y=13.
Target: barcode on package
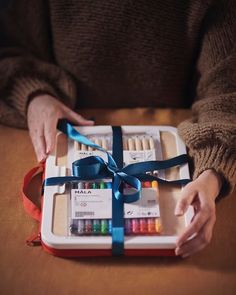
x=83 y=214
x=152 y=202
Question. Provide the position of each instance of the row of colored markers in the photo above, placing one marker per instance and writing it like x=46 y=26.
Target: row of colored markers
x=132 y=226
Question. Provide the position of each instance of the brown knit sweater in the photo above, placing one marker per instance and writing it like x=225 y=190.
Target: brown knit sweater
x=129 y=53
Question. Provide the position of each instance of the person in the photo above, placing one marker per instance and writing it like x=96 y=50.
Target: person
x=60 y=55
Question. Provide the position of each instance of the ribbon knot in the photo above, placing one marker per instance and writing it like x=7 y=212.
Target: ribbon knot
x=94 y=167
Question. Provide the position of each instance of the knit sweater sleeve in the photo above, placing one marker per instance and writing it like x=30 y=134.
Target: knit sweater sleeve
x=210 y=134
x=27 y=64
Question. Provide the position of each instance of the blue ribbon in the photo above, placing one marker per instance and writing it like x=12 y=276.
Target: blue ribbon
x=118 y=234
x=95 y=167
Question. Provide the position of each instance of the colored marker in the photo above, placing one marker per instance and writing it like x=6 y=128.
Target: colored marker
x=104 y=227
x=146 y=184
x=74 y=222
x=158 y=225
x=128 y=226
x=87 y=185
x=76 y=145
x=80 y=226
x=83 y=147
x=94 y=185
x=151 y=226
x=125 y=144
x=102 y=185
x=80 y=185
x=110 y=226
x=155 y=184
x=96 y=222
x=88 y=226
x=145 y=143
x=143 y=226
x=157 y=220
x=73 y=226
x=74 y=185
x=151 y=143
x=109 y=185
x=138 y=144
x=131 y=145
x=135 y=225
x=96 y=226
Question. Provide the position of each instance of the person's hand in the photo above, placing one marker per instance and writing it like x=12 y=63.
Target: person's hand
x=42 y=116
x=201 y=193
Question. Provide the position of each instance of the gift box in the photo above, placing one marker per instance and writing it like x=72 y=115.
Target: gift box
x=112 y=191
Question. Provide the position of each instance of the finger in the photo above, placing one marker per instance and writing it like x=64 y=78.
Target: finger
x=38 y=140
x=187 y=197
x=50 y=130
x=76 y=118
x=194 y=227
x=201 y=240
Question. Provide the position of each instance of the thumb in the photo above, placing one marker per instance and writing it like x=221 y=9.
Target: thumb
x=187 y=196
x=76 y=118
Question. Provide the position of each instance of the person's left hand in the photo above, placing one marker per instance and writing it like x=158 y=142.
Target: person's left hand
x=201 y=193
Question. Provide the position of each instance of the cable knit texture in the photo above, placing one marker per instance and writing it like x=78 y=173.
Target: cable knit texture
x=130 y=53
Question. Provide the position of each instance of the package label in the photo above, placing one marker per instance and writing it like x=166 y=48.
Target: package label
x=97 y=204
x=85 y=154
x=91 y=203
x=146 y=206
x=131 y=157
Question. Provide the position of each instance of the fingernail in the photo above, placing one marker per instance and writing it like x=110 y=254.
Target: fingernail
x=178 y=251
x=49 y=149
x=179 y=245
x=185 y=255
x=179 y=211
x=41 y=158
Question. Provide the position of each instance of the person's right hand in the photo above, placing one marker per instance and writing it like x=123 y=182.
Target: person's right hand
x=42 y=116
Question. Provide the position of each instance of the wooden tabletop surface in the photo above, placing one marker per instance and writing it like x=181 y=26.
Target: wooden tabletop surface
x=30 y=270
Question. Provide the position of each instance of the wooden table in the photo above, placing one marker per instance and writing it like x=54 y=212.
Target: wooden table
x=29 y=270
